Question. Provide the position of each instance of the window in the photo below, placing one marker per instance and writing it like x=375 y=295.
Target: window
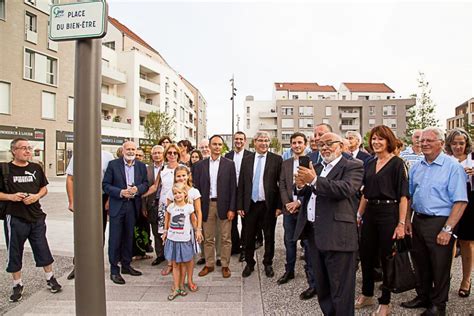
x=51 y=70
x=5 y=97
x=48 y=105
x=104 y=89
x=2 y=9
x=288 y=111
x=29 y=64
x=390 y=122
x=371 y=123
x=167 y=86
x=325 y=121
x=287 y=123
x=371 y=110
x=328 y=111
x=294 y=97
x=70 y=109
x=344 y=97
x=248 y=123
x=248 y=110
x=181 y=114
x=175 y=94
x=321 y=97
x=30 y=22
x=363 y=97
x=110 y=45
x=286 y=135
x=389 y=110
x=306 y=122
x=306 y=111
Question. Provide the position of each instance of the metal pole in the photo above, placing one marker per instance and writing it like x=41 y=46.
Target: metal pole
x=233 y=95
x=88 y=243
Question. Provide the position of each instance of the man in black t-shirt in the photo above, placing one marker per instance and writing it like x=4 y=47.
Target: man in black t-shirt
x=25 y=220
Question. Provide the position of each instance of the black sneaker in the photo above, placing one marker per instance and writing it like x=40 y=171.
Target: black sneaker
x=53 y=285
x=17 y=293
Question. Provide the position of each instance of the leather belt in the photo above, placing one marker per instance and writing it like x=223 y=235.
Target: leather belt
x=378 y=202
x=213 y=199
x=421 y=215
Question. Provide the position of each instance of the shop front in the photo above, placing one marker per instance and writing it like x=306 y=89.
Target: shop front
x=35 y=136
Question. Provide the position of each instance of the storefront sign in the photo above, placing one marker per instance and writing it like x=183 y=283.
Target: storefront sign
x=10 y=132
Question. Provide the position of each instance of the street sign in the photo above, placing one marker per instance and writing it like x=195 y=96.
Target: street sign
x=79 y=20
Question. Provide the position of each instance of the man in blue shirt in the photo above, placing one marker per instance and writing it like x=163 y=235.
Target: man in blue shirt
x=437 y=187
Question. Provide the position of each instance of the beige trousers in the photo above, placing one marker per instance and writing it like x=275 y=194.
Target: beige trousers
x=210 y=234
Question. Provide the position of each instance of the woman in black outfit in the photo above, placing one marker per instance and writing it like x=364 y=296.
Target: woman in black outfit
x=381 y=212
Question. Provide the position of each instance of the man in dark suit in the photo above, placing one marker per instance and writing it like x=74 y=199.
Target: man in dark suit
x=291 y=206
x=125 y=180
x=236 y=155
x=259 y=201
x=329 y=215
x=149 y=205
x=355 y=141
x=214 y=177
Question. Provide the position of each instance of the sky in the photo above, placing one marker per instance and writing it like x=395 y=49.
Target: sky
x=325 y=42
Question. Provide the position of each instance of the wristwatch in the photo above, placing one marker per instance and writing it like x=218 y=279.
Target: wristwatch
x=447 y=229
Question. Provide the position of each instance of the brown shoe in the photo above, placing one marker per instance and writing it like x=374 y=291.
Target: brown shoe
x=225 y=272
x=205 y=271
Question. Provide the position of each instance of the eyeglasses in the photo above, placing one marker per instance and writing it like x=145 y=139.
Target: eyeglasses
x=429 y=141
x=328 y=144
x=263 y=140
x=172 y=153
x=24 y=148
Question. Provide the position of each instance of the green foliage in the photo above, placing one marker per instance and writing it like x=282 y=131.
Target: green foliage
x=225 y=148
x=275 y=144
x=365 y=141
x=421 y=115
x=469 y=128
x=157 y=125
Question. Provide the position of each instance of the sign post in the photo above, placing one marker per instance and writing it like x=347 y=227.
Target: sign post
x=86 y=22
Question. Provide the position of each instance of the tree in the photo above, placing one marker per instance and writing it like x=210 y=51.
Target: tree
x=275 y=144
x=423 y=113
x=157 y=125
x=469 y=128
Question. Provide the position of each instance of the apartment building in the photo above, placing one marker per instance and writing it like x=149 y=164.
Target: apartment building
x=259 y=116
x=200 y=109
x=463 y=112
x=301 y=106
x=37 y=87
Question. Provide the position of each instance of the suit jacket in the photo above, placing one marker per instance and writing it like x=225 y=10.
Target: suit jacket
x=335 y=225
x=271 y=177
x=115 y=181
x=286 y=184
x=365 y=157
x=226 y=186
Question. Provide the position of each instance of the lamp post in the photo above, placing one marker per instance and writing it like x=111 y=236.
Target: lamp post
x=233 y=94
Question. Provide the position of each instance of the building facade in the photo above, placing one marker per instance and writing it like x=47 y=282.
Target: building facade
x=463 y=112
x=37 y=87
x=301 y=106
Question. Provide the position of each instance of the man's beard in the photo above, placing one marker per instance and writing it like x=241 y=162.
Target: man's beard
x=330 y=158
x=129 y=158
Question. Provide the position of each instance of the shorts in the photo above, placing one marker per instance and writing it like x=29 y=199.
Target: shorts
x=18 y=231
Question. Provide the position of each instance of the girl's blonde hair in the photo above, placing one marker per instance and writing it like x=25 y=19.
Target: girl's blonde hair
x=189 y=183
x=180 y=187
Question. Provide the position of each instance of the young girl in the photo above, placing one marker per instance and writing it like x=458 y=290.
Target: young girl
x=183 y=175
x=177 y=237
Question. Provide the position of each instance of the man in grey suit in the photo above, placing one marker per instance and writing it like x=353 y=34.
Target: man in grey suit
x=329 y=216
x=290 y=208
x=214 y=177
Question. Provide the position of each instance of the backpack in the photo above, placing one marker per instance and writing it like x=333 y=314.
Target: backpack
x=3 y=204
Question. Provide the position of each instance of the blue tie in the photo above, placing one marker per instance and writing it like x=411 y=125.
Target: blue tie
x=256 y=179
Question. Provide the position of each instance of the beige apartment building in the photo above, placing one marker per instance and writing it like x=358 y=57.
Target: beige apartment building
x=463 y=112
x=301 y=106
x=37 y=87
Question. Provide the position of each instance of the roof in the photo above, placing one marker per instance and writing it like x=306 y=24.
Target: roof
x=303 y=86
x=125 y=30
x=368 y=87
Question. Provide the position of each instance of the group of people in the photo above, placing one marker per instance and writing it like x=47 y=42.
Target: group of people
x=339 y=202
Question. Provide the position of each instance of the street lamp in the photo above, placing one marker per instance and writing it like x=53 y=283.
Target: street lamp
x=232 y=99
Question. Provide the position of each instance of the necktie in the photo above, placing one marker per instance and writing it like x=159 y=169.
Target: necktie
x=319 y=158
x=256 y=179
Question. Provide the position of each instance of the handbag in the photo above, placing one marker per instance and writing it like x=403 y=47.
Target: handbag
x=3 y=204
x=400 y=269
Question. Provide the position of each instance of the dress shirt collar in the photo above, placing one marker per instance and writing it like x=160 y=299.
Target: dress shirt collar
x=126 y=162
x=439 y=160
x=355 y=152
x=216 y=160
x=261 y=155
x=332 y=163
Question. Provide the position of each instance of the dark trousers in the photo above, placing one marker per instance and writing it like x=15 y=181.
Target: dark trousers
x=105 y=197
x=121 y=237
x=291 y=246
x=433 y=261
x=159 y=249
x=258 y=216
x=335 y=279
x=235 y=236
x=379 y=223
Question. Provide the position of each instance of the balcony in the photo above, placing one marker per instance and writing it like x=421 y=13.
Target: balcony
x=352 y=127
x=267 y=115
x=148 y=87
x=112 y=75
x=32 y=36
x=116 y=125
x=147 y=108
x=267 y=126
x=350 y=114
x=114 y=101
